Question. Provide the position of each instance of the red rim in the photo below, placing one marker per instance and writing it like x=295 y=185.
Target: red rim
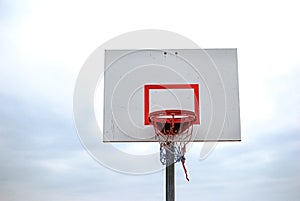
x=162 y=120
x=177 y=115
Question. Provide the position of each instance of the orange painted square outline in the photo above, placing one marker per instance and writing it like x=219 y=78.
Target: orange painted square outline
x=149 y=87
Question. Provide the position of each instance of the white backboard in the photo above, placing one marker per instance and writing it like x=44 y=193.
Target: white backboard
x=137 y=82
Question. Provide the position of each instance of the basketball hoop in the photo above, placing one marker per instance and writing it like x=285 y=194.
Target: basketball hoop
x=173 y=129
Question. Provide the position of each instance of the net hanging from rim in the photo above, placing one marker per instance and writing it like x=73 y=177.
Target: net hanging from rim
x=173 y=129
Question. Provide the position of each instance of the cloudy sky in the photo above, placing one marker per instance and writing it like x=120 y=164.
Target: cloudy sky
x=43 y=45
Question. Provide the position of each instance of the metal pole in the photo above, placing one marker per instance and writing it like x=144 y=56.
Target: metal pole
x=170 y=178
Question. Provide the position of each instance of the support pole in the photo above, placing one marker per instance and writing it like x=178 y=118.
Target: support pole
x=170 y=177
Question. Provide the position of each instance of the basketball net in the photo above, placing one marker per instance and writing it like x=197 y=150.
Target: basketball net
x=173 y=130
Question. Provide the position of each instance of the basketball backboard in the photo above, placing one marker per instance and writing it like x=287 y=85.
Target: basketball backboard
x=138 y=82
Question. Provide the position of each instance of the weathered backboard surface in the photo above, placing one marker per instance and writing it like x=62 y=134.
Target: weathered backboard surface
x=138 y=82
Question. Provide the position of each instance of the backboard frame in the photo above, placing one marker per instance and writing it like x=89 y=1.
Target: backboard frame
x=226 y=59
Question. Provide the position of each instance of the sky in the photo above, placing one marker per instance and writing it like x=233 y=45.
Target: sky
x=43 y=45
